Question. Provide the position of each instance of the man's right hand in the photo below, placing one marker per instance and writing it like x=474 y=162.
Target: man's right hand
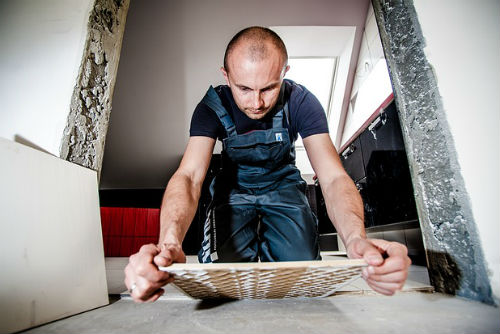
x=142 y=276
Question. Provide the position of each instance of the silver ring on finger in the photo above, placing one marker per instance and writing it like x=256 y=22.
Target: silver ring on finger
x=132 y=287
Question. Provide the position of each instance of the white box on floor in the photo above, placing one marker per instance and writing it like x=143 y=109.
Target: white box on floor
x=51 y=250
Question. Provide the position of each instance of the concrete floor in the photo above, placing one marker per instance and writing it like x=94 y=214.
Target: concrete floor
x=412 y=312
x=356 y=310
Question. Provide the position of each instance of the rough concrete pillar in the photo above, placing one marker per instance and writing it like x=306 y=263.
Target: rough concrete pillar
x=454 y=254
x=87 y=124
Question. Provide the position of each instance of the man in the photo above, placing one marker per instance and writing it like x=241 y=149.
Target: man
x=258 y=208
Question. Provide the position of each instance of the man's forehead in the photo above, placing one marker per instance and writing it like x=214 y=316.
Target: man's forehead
x=249 y=73
x=253 y=51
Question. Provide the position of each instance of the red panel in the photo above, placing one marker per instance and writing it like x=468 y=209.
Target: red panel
x=106 y=224
x=128 y=232
x=153 y=224
x=138 y=242
x=140 y=223
x=129 y=221
x=125 y=230
x=113 y=247
x=116 y=222
x=126 y=246
x=105 y=221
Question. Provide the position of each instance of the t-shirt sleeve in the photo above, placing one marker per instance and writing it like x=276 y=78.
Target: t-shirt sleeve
x=204 y=122
x=310 y=117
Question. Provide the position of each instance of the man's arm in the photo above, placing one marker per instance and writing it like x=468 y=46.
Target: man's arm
x=345 y=209
x=343 y=202
x=142 y=277
x=183 y=191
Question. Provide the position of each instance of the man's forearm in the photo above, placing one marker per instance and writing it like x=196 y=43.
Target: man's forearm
x=345 y=208
x=178 y=208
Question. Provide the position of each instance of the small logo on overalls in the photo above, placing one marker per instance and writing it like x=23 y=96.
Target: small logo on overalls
x=279 y=137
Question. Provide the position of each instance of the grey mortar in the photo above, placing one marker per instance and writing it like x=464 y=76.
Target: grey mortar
x=454 y=254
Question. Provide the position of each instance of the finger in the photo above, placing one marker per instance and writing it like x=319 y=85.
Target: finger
x=165 y=258
x=142 y=265
x=145 y=290
x=382 y=291
x=388 y=287
x=150 y=298
x=150 y=272
x=156 y=296
x=149 y=248
x=143 y=287
x=369 y=252
x=391 y=264
x=169 y=254
x=394 y=277
x=390 y=247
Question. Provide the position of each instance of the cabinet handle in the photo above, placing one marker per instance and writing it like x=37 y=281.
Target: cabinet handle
x=377 y=123
x=350 y=150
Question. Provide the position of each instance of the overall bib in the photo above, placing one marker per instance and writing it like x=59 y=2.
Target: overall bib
x=259 y=209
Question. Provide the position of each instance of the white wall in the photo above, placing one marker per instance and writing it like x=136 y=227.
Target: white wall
x=42 y=45
x=171 y=53
x=463 y=46
x=371 y=82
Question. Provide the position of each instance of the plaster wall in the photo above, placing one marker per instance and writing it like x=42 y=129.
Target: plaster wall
x=88 y=120
x=42 y=44
x=463 y=52
x=171 y=53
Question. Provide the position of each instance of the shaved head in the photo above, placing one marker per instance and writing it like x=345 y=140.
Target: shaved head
x=255 y=64
x=258 y=43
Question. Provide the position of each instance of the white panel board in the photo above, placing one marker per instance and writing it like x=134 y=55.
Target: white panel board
x=51 y=250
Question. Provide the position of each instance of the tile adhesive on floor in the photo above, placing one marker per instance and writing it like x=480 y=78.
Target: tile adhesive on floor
x=263 y=280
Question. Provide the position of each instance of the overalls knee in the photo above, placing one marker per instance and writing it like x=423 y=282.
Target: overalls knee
x=259 y=209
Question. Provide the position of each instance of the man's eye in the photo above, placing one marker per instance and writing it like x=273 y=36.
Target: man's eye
x=268 y=89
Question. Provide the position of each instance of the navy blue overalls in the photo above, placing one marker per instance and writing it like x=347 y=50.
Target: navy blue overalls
x=259 y=208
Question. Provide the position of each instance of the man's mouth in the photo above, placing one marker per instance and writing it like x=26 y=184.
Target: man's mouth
x=258 y=111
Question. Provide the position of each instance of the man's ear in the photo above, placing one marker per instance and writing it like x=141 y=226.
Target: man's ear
x=286 y=70
x=224 y=73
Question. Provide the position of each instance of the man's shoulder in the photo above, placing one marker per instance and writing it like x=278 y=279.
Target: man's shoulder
x=299 y=97
x=223 y=91
x=294 y=92
x=306 y=113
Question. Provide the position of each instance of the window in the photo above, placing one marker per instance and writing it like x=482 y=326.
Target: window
x=317 y=75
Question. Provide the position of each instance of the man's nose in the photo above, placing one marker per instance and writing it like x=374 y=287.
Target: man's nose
x=258 y=101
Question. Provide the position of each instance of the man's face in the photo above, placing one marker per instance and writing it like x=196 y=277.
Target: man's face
x=255 y=85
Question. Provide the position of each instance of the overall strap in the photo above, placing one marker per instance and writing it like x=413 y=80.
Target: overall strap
x=212 y=100
x=278 y=117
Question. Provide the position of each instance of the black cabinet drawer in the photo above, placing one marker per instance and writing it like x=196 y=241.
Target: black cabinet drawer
x=383 y=134
x=381 y=174
x=352 y=159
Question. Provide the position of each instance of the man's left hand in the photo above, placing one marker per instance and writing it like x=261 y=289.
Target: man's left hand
x=388 y=263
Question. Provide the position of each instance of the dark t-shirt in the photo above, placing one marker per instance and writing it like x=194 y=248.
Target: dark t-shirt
x=307 y=116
